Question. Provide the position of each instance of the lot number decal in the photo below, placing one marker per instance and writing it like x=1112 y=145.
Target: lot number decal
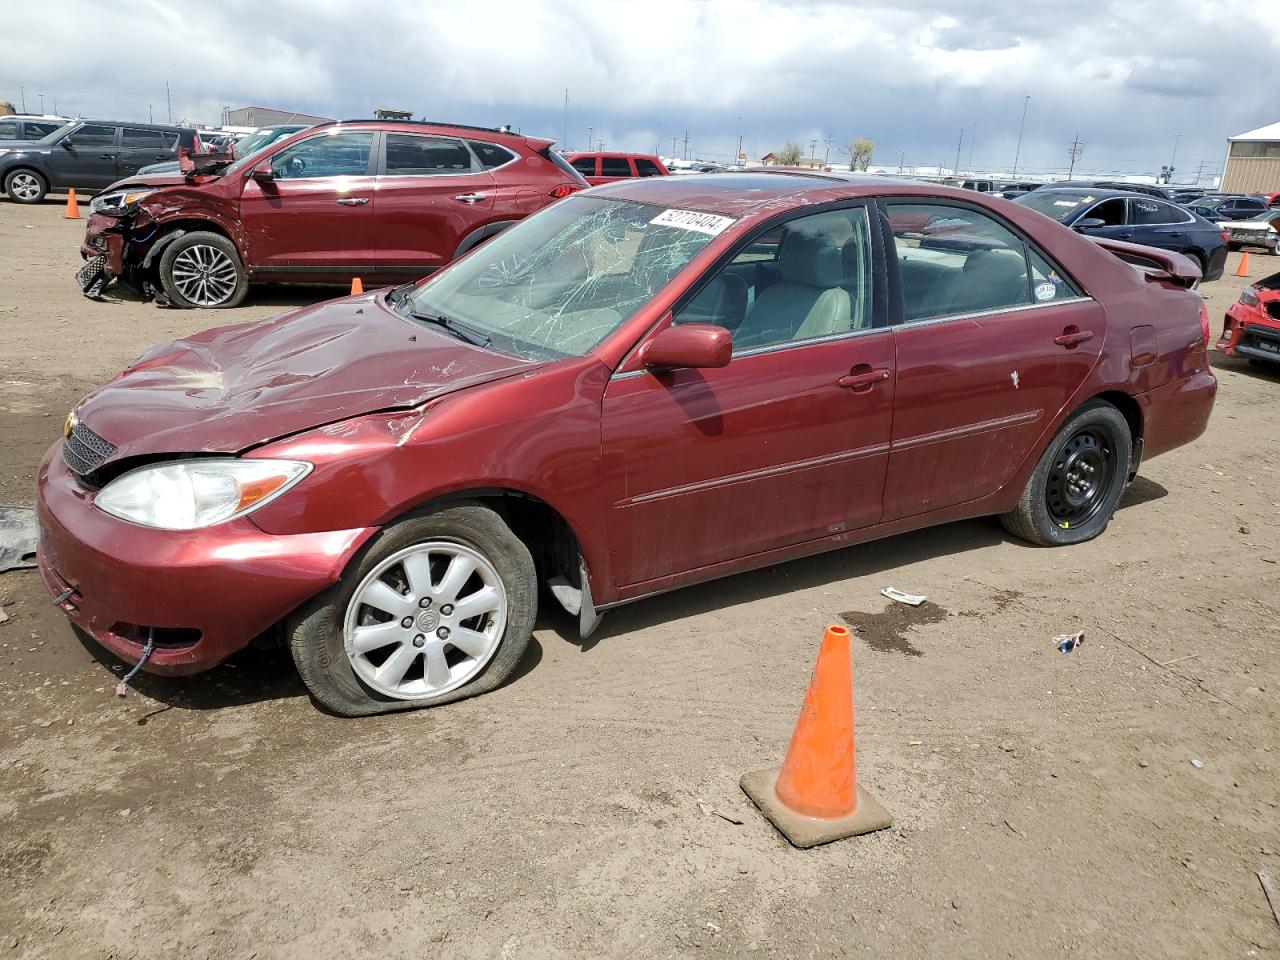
x=708 y=223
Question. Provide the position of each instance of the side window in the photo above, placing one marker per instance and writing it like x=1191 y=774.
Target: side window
x=1251 y=208
x=328 y=155
x=409 y=155
x=647 y=168
x=1153 y=213
x=170 y=140
x=807 y=280
x=585 y=166
x=1110 y=212
x=133 y=139
x=1047 y=282
x=93 y=135
x=956 y=260
x=9 y=131
x=490 y=154
x=614 y=167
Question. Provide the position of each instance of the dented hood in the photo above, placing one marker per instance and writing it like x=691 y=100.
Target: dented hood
x=231 y=388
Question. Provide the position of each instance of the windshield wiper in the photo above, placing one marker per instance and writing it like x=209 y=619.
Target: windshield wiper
x=456 y=327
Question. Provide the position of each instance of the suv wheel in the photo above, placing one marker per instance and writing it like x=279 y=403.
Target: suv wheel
x=202 y=269
x=1075 y=487
x=441 y=607
x=25 y=186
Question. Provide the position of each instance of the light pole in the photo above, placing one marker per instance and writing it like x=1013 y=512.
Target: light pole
x=1018 y=153
x=959 y=144
x=1174 y=156
x=902 y=157
x=972 y=137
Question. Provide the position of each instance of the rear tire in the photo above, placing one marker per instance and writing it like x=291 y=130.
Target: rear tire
x=202 y=270
x=1073 y=491
x=25 y=186
x=1198 y=258
x=344 y=673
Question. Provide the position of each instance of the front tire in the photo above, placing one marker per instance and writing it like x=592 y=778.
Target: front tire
x=203 y=270
x=1073 y=491
x=25 y=186
x=440 y=607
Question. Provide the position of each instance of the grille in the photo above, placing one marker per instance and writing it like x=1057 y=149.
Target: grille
x=84 y=451
x=1273 y=309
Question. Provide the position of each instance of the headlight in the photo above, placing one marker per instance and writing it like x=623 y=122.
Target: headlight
x=1249 y=296
x=118 y=203
x=189 y=494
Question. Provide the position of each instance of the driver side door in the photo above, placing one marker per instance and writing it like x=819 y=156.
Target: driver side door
x=315 y=214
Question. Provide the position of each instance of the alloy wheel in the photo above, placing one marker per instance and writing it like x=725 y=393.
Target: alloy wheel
x=425 y=621
x=26 y=186
x=1080 y=478
x=204 y=275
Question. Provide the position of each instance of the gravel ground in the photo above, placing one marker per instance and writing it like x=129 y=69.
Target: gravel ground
x=1107 y=803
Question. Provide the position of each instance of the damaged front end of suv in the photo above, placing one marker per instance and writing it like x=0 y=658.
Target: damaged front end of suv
x=134 y=222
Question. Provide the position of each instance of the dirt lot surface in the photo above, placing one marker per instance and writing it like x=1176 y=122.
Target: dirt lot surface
x=1114 y=802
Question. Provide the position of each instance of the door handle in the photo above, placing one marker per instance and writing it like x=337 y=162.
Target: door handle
x=106 y=156
x=1124 y=235
x=353 y=201
x=470 y=197
x=862 y=378
x=1072 y=337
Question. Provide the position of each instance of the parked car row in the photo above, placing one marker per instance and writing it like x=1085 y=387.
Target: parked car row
x=600 y=400
x=383 y=200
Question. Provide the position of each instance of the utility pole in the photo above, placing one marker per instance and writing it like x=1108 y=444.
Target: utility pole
x=901 y=158
x=41 y=96
x=1173 y=157
x=813 y=149
x=657 y=146
x=1199 y=172
x=564 y=143
x=168 y=101
x=738 y=157
x=673 y=146
x=22 y=95
x=686 y=144
x=150 y=116
x=959 y=144
x=972 y=137
x=1074 y=151
x=1018 y=153
x=590 y=134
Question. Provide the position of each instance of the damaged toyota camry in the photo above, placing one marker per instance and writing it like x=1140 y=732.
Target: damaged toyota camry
x=645 y=386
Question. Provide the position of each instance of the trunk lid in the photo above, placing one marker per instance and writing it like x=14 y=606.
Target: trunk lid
x=232 y=388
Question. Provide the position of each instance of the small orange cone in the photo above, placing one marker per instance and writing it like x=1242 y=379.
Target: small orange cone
x=1243 y=269
x=356 y=286
x=73 y=208
x=815 y=798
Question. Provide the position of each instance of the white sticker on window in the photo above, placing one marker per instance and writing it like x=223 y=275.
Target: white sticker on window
x=708 y=223
x=1045 y=291
x=1066 y=203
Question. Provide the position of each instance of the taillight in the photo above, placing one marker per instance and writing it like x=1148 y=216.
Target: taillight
x=1226 y=237
x=560 y=191
x=1204 y=324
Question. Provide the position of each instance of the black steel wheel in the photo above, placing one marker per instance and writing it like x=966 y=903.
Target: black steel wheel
x=1073 y=491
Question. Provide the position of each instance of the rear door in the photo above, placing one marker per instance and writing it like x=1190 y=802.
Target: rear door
x=614 y=168
x=1159 y=224
x=432 y=192
x=86 y=157
x=992 y=341
x=140 y=147
x=315 y=214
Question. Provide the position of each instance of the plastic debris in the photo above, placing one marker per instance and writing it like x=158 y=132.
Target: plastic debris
x=1197 y=763
x=1067 y=642
x=17 y=538
x=1269 y=888
x=893 y=593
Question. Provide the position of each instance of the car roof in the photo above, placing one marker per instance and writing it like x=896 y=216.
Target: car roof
x=741 y=194
x=608 y=153
x=432 y=126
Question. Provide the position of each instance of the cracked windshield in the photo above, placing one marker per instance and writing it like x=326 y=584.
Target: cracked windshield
x=560 y=282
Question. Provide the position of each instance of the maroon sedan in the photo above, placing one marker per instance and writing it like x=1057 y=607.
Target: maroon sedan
x=647 y=385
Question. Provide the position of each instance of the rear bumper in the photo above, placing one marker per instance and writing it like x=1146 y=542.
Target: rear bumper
x=206 y=593
x=1177 y=413
x=1216 y=264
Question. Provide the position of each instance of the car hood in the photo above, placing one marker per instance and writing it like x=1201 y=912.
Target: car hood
x=232 y=388
x=156 y=180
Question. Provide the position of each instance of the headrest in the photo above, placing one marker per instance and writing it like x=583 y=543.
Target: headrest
x=997 y=265
x=812 y=259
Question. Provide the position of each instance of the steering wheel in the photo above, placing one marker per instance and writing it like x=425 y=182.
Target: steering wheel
x=297 y=166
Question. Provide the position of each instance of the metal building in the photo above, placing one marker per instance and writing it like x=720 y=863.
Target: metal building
x=266 y=116
x=1253 y=162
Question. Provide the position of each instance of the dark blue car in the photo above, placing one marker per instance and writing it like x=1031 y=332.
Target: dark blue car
x=1124 y=215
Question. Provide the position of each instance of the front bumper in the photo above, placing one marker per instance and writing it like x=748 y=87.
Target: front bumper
x=206 y=593
x=1249 y=331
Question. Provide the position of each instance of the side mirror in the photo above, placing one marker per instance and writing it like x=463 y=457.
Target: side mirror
x=689 y=345
x=66 y=144
x=262 y=171
x=1090 y=223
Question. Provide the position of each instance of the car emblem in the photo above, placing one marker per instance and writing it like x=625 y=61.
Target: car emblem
x=427 y=620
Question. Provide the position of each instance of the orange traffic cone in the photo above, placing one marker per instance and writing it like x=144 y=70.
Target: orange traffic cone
x=1243 y=269
x=356 y=286
x=815 y=797
x=73 y=208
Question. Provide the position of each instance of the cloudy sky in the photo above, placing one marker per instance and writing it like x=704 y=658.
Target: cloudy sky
x=1131 y=78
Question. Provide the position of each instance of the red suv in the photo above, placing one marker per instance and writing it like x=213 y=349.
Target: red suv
x=608 y=167
x=390 y=201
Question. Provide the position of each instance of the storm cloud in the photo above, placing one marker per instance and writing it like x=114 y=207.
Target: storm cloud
x=1129 y=78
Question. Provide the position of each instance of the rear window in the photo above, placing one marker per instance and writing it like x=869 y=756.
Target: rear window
x=614 y=167
x=490 y=155
x=561 y=163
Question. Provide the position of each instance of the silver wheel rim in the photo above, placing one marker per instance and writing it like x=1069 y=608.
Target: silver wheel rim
x=204 y=275
x=425 y=621
x=25 y=186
